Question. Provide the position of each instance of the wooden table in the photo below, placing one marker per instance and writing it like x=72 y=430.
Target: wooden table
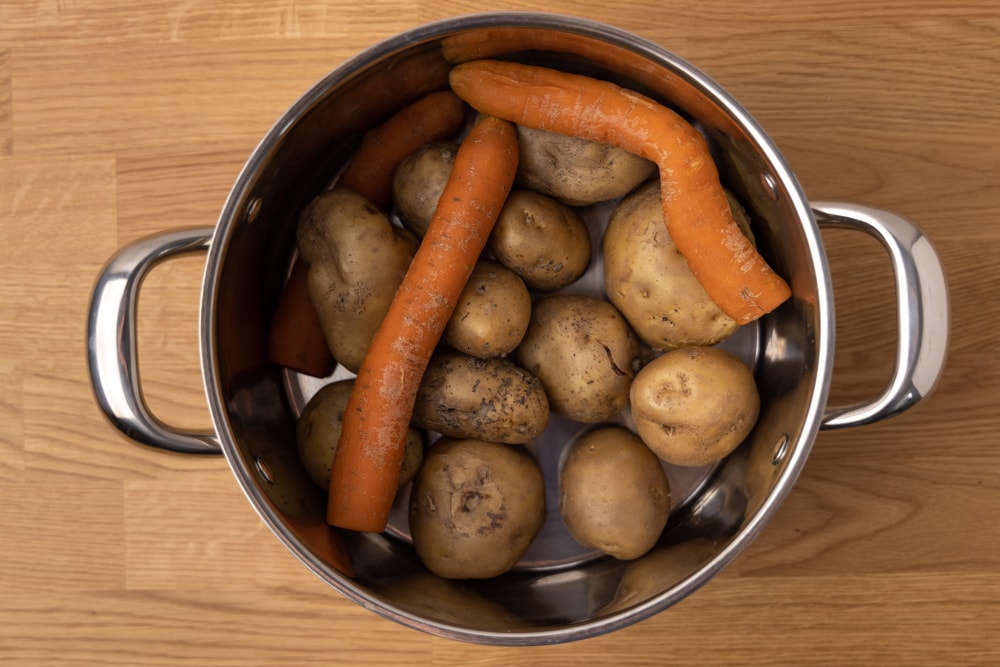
x=122 y=119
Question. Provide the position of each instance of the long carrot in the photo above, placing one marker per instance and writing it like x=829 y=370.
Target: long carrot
x=296 y=339
x=700 y=223
x=366 y=466
x=433 y=117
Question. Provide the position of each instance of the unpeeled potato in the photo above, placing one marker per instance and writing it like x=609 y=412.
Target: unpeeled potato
x=492 y=313
x=584 y=353
x=649 y=280
x=475 y=508
x=462 y=396
x=614 y=495
x=419 y=181
x=318 y=433
x=695 y=405
x=357 y=259
x=541 y=240
x=577 y=171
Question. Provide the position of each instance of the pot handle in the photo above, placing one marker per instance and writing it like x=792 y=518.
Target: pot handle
x=111 y=342
x=922 y=311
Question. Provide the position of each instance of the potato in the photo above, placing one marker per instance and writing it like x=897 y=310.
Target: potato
x=614 y=495
x=318 y=432
x=584 y=353
x=577 y=171
x=492 y=313
x=475 y=508
x=695 y=405
x=541 y=240
x=356 y=261
x=660 y=569
x=430 y=597
x=493 y=399
x=650 y=282
x=419 y=181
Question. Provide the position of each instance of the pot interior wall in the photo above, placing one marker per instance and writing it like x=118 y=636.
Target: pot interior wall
x=253 y=251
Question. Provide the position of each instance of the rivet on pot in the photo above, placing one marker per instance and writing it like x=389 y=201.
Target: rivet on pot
x=263 y=470
x=770 y=185
x=253 y=209
x=780 y=449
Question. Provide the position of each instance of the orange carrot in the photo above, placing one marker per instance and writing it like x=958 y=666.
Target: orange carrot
x=296 y=338
x=366 y=467
x=421 y=72
x=698 y=217
x=433 y=117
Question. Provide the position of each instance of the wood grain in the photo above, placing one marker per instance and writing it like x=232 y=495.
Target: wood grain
x=119 y=120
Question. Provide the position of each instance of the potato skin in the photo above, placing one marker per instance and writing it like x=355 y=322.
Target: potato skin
x=614 y=495
x=431 y=597
x=419 y=181
x=318 y=432
x=695 y=405
x=584 y=353
x=493 y=399
x=541 y=240
x=356 y=260
x=475 y=508
x=492 y=314
x=576 y=171
x=650 y=282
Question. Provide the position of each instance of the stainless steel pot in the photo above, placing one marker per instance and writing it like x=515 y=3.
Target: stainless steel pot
x=560 y=592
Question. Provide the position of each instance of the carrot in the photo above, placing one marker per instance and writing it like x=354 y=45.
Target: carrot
x=412 y=77
x=366 y=467
x=296 y=338
x=698 y=217
x=433 y=117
